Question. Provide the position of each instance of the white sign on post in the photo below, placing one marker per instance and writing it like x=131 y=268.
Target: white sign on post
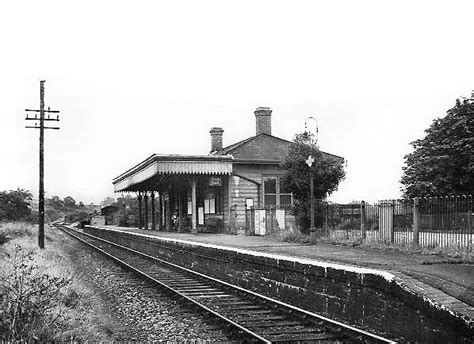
x=280 y=217
x=249 y=203
x=200 y=215
x=260 y=221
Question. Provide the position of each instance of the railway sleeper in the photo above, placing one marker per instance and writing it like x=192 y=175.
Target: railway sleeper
x=303 y=338
x=237 y=302
x=203 y=292
x=210 y=296
x=249 y=312
x=240 y=307
x=196 y=286
x=176 y=280
x=284 y=331
x=274 y=324
x=254 y=319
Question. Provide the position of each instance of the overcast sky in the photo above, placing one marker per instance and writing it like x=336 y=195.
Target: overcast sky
x=141 y=77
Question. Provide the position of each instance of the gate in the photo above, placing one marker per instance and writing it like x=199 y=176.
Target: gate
x=386 y=213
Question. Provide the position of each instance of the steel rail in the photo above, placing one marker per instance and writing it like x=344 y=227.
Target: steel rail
x=166 y=287
x=351 y=331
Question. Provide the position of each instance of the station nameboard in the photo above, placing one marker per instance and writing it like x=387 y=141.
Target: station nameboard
x=215 y=181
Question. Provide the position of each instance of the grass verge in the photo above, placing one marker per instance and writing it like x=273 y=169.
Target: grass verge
x=40 y=298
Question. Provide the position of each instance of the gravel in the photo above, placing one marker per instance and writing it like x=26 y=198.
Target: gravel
x=139 y=312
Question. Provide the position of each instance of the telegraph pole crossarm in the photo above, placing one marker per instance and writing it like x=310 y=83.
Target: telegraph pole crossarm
x=41 y=127
x=31 y=127
x=45 y=111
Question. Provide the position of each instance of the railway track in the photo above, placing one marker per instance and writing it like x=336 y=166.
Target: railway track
x=251 y=316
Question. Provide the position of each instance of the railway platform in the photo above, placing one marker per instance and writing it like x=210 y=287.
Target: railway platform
x=448 y=282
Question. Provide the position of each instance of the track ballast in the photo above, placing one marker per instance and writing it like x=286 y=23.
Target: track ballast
x=250 y=316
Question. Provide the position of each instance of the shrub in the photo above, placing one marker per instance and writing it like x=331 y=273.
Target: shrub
x=28 y=295
x=77 y=216
x=10 y=230
x=15 y=205
x=349 y=224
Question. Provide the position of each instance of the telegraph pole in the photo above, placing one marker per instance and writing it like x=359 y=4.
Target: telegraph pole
x=41 y=127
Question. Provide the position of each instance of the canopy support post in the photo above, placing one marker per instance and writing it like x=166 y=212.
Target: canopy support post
x=145 y=199
x=153 y=220
x=139 y=210
x=193 y=202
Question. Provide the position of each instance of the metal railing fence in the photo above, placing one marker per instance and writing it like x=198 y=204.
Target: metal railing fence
x=427 y=222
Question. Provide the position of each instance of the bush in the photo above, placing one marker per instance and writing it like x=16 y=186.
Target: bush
x=349 y=224
x=10 y=230
x=302 y=215
x=3 y=238
x=53 y=214
x=77 y=216
x=15 y=205
x=28 y=295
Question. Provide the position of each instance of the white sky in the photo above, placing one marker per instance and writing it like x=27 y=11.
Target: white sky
x=141 y=77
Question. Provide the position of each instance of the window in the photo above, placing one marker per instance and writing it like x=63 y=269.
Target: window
x=275 y=194
x=190 y=208
x=285 y=195
x=210 y=206
x=270 y=190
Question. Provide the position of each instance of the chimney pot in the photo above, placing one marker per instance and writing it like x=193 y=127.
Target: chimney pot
x=216 y=138
x=263 y=120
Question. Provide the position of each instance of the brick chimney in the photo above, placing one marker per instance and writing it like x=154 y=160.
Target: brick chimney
x=263 y=119
x=216 y=139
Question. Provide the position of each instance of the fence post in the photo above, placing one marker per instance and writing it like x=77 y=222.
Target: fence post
x=469 y=223
x=416 y=220
x=326 y=218
x=363 y=218
x=392 y=230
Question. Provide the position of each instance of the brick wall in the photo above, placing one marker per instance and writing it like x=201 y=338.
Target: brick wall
x=263 y=147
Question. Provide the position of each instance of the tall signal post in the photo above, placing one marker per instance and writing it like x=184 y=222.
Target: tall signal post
x=41 y=128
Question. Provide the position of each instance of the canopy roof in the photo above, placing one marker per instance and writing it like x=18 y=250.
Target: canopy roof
x=161 y=164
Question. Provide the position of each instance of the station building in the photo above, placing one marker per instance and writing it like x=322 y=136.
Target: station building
x=230 y=189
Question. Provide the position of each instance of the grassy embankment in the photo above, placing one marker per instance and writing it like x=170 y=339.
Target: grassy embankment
x=40 y=298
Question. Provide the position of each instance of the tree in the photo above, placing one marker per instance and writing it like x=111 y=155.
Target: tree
x=52 y=214
x=442 y=163
x=55 y=202
x=107 y=201
x=129 y=207
x=14 y=205
x=69 y=202
x=77 y=216
x=328 y=172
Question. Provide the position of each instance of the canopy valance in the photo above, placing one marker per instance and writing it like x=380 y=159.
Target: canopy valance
x=173 y=164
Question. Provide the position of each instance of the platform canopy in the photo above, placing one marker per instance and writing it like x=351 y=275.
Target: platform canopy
x=151 y=171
